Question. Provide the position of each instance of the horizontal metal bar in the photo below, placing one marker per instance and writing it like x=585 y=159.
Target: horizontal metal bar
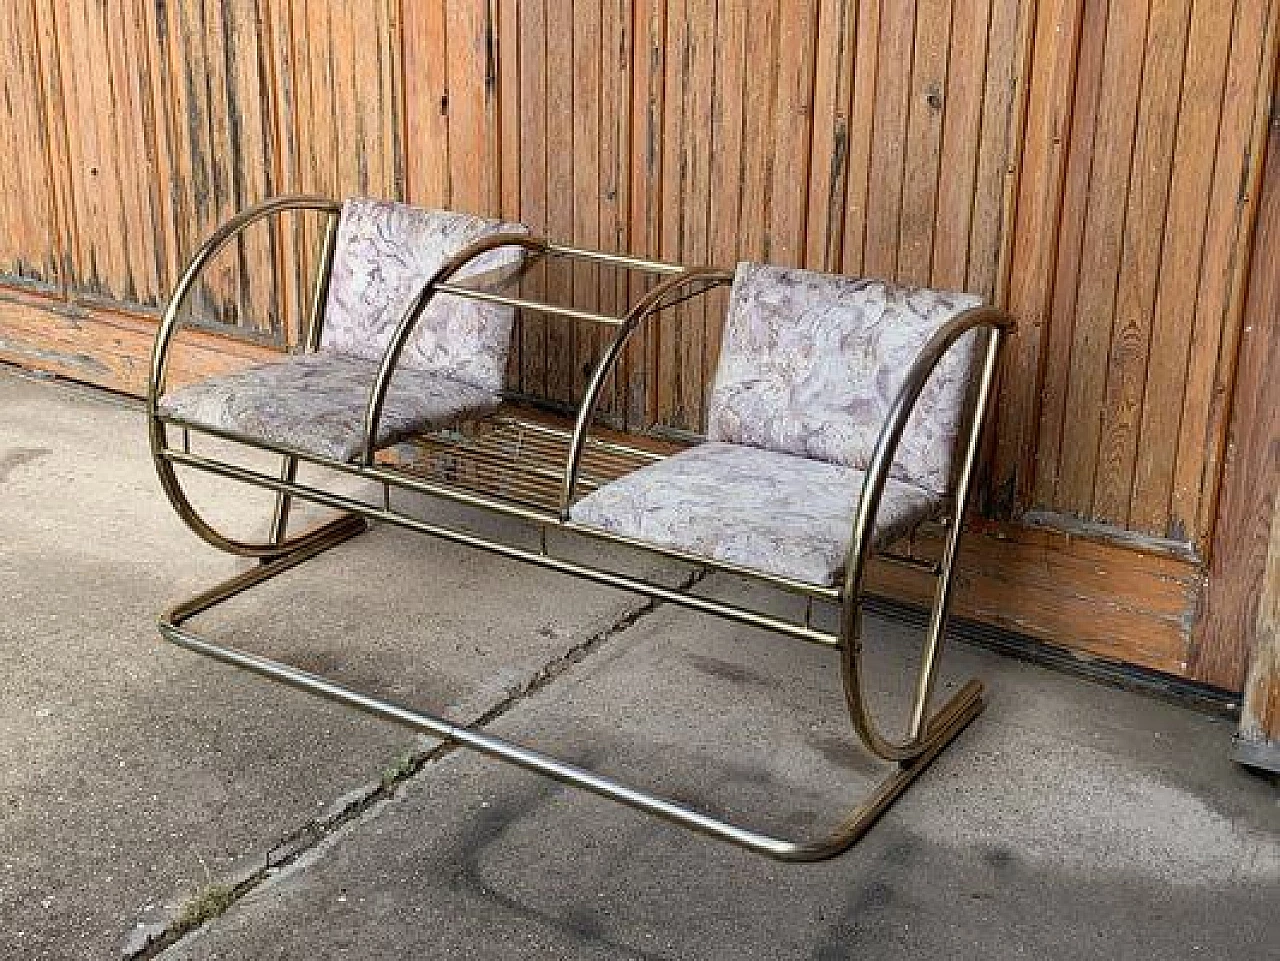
x=380 y=474
x=408 y=481
x=797 y=587
x=556 y=448
x=317 y=541
x=608 y=578
x=953 y=718
x=621 y=260
x=958 y=712
x=474 y=293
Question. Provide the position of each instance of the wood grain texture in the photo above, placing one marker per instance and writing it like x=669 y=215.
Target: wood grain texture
x=1124 y=606
x=30 y=243
x=1239 y=589
x=649 y=52
x=1129 y=282
x=1260 y=707
x=1184 y=236
x=99 y=345
x=922 y=168
x=1104 y=230
x=1038 y=209
x=1245 y=114
x=1145 y=218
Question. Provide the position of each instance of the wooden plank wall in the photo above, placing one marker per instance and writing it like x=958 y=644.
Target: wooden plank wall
x=1091 y=164
x=1135 y=210
x=800 y=133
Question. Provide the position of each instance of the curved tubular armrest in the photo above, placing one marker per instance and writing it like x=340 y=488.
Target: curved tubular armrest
x=200 y=259
x=644 y=308
x=996 y=322
x=378 y=392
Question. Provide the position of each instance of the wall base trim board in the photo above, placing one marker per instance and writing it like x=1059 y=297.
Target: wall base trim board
x=107 y=347
x=1178 y=690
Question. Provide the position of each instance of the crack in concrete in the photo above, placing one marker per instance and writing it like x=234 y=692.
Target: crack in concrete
x=149 y=940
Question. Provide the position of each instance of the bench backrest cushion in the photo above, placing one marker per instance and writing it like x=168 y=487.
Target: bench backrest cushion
x=811 y=363
x=384 y=253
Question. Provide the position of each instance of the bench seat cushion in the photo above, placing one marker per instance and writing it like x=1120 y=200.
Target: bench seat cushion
x=760 y=509
x=316 y=403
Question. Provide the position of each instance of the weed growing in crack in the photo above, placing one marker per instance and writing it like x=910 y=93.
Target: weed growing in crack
x=399 y=769
x=209 y=902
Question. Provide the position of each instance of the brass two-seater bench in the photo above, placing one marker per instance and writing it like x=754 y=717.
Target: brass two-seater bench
x=844 y=413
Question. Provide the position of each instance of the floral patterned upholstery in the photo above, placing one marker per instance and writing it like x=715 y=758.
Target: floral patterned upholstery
x=384 y=253
x=452 y=366
x=316 y=403
x=811 y=364
x=768 y=511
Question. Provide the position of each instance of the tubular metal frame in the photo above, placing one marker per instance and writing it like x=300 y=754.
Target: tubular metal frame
x=927 y=733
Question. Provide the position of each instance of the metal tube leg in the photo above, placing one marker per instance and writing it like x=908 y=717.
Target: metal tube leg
x=280 y=519
x=944 y=726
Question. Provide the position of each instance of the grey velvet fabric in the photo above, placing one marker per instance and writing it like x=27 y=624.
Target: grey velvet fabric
x=768 y=511
x=316 y=403
x=384 y=254
x=811 y=364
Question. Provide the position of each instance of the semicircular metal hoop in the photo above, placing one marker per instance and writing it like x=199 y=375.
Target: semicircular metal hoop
x=921 y=736
x=169 y=324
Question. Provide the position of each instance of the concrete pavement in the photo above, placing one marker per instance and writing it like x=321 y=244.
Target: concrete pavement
x=1071 y=820
x=133 y=774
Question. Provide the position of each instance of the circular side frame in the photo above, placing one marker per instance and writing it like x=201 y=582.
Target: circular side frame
x=169 y=324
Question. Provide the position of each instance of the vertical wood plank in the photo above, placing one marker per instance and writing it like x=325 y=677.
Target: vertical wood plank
x=1229 y=630
x=615 y=177
x=507 y=44
x=695 y=245
x=1214 y=336
x=922 y=164
x=30 y=245
x=1009 y=64
x=727 y=119
x=888 y=146
x=1149 y=178
x=759 y=102
x=1258 y=740
x=473 y=168
x=793 y=127
x=647 y=124
x=1198 y=119
x=532 y=51
x=675 y=176
x=560 y=117
x=832 y=91
x=1039 y=205
x=1070 y=249
x=961 y=143
x=1100 y=260
x=585 y=195
x=426 y=91
x=862 y=133
x=509 y=102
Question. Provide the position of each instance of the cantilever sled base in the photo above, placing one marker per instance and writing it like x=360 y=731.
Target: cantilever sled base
x=944 y=726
